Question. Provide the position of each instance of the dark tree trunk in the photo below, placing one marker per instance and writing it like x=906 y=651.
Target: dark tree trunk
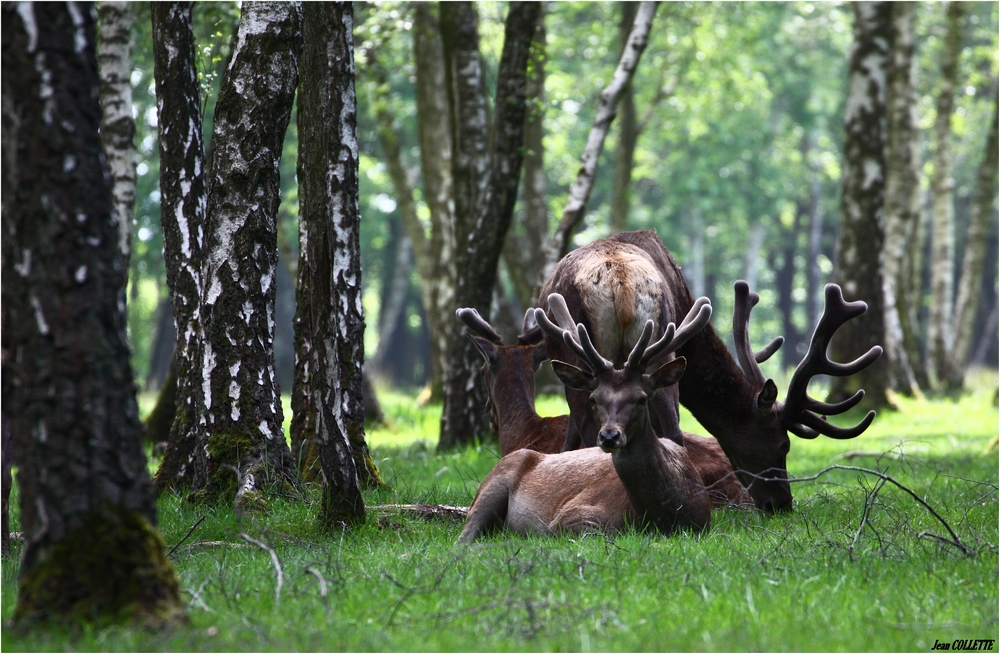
x=241 y=404
x=160 y=420
x=862 y=202
x=438 y=252
x=523 y=251
x=330 y=263
x=628 y=133
x=88 y=507
x=183 y=200
x=483 y=207
x=161 y=353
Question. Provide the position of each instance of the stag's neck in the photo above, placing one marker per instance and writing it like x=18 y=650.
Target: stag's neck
x=659 y=484
x=713 y=388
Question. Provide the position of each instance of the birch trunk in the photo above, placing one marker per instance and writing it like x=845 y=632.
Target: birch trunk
x=971 y=281
x=241 y=401
x=434 y=132
x=902 y=191
x=558 y=245
x=328 y=187
x=183 y=204
x=941 y=362
x=484 y=209
x=862 y=201
x=114 y=59
x=628 y=133
x=88 y=506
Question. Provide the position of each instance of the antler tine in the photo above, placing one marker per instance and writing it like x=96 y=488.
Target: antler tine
x=556 y=331
x=745 y=302
x=765 y=352
x=797 y=414
x=638 y=354
x=812 y=426
x=476 y=323
x=530 y=332
x=590 y=353
x=557 y=304
x=695 y=320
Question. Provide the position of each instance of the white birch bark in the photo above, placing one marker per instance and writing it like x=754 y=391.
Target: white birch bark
x=114 y=58
x=902 y=190
x=939 y=326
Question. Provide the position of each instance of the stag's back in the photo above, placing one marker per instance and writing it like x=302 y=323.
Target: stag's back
x=613 y=288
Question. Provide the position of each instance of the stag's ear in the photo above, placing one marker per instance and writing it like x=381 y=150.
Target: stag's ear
x=573 y=377
x=486 y=348
x=767 y=396
x=668 y=374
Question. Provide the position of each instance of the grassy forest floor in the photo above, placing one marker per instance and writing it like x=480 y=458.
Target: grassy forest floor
x=857 y=566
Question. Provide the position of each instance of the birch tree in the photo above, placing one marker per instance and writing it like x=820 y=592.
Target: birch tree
x=862 y=199
x=902 y=192
x=486 y=177
x=88 y=506
x=558 y=244
x=183 y=201
x=330 y=264
x=241 y=404
x=941 y=362
x=114 y=59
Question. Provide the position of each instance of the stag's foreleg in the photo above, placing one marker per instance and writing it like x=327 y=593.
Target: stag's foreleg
x=490 y=507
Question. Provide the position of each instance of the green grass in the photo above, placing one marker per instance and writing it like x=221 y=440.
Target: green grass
x=808 y=580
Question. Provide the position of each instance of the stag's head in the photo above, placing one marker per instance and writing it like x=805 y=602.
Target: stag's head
x=758 y=453
x=619 y=397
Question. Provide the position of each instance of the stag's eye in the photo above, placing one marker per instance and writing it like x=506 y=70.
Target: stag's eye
x=592 y=403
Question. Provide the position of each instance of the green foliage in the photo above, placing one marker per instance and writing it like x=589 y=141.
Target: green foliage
x=813 y=579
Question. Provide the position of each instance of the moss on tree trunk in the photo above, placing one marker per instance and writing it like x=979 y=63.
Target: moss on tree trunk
x=114 y=568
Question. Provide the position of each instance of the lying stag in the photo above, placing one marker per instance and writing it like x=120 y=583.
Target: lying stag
x=509 y=372
x=738 y=406
x=634 y=478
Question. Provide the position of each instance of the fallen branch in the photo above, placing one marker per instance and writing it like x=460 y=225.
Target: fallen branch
x=955 y=541
x=274 y=560
x=189 y=532
x=425 y=511
x=322 y=590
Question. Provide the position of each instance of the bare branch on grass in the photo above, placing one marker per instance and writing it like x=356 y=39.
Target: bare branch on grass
x=322 y=590
x=869 y=503
x=274 y=560
x=189 y=532
x=954 y=541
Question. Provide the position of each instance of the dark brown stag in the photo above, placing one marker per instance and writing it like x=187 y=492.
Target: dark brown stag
x=509 y=372
x=634 y=478
x=738 y=406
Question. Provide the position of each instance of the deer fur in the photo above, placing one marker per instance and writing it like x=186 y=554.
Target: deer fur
x=509 y=372
x=646 y=482
x=736 y=404
x=612 y=288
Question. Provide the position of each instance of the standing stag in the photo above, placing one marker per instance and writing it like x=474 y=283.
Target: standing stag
x=634 y=478
x=509 y=372
x=738 y=406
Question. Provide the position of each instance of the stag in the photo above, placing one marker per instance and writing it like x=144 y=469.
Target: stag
x=509 y=372
x=736 y=404
x=634 y=478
